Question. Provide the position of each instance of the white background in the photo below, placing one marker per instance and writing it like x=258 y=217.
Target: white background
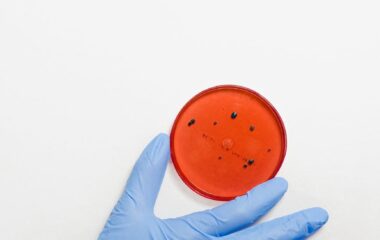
x=84 y=85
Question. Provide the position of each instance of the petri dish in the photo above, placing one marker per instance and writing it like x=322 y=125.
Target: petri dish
x=226 y=140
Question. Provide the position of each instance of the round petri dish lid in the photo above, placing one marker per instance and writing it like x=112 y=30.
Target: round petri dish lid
x=226 y=140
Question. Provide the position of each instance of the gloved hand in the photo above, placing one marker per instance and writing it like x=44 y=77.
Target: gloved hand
x=133 y=219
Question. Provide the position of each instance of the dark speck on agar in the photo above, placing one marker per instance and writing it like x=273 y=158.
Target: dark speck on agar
x=269 y=150
x=250 y=161
x=233 y=115
x=220 y=157
x=245 y=166
x=191 y=122
x=215 y=123
x=251 y=128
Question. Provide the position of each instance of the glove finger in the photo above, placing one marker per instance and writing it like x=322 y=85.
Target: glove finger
x=299 y=225
x=238 y=213
x=145 y=180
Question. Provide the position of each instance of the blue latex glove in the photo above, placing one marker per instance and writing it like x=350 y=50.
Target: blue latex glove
x=133 y=217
